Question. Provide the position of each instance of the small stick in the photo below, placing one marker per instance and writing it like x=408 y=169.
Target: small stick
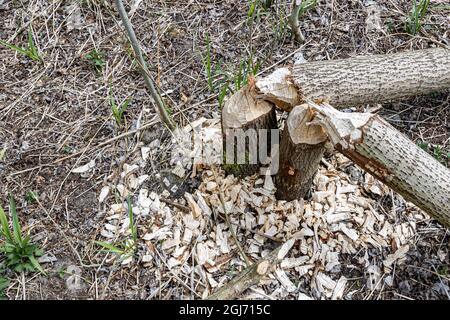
x=247 y=278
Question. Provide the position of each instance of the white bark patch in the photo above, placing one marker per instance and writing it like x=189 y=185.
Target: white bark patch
x=278 y=89
x=84 y=168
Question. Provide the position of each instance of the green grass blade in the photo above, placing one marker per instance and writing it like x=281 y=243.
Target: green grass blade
x=13 y=47
x=222 y=94
x=30 y=39
x=125 y=105
x=36 y=264
x=4 y=225
x=15 y=221
x=130 y=216
x=110 y=247
x=32 y=50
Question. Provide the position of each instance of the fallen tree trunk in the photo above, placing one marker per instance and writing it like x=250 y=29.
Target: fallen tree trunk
x=246 y=129
x=301 y=148
x=353 y=81
x=359 y=80
x=380 y=149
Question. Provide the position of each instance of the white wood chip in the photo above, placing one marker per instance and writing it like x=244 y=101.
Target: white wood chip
x=173 y=262
x=202 y=204
x=167 y=244
x=145 y=152
x=147 y=258
x=319 y=196
x=338 y=291
x=302 y=296
x=285 y=281
x=111 y=227
x=285 y=248
x=294 y=262
x=338 y=217
x=103 y=194
x=397 y=255
x=351 y=233
x=202 y=253
x=325 y=284
x=190 y=222
x=84 y=168
x=196 y=211
x=159 y=234
x=303 y=270
x=373 y=280
x=187 y=237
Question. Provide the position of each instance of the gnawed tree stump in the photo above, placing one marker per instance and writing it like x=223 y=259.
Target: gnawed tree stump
x=246 y=126
x=301 y=147
x=359 y=80
x=380 y=149
x=353 y=81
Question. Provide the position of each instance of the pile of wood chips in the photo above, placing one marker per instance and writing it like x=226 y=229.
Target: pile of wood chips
x=327 y=236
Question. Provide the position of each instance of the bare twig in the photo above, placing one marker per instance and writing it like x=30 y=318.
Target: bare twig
x=160 y=106
x=293 y=21
x=247 y=278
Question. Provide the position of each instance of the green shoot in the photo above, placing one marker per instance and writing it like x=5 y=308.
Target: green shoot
x=252 y=8
x=256 y=9
x=126 y=248
x=20 y=253
x=223 y=92
x=97 y=59
x=30 y=51
x=436 y=151
x=31 y=197
x=423 y=145
x=67 y=149
x=118 y=110
x=418 y=12
x=306 y=5
x=246 y=69
x=4 y=283
x=223 y=85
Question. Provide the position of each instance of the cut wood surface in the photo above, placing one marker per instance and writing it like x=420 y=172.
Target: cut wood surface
x=243 y=112
x=301 y=147
x=380 y=149
x=360 y=80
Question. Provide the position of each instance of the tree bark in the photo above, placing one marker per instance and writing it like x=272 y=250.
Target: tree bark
x=387 y=154
x=359 y=80
x=346 y=82
x=301 y=148
x=246 y=127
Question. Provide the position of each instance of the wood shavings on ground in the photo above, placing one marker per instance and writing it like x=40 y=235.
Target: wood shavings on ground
x=324 y=239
